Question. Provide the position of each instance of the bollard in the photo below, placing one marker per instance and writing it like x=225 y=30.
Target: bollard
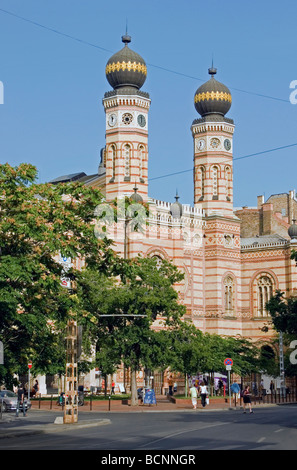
x=39 y=401
x=1 y=409
x=91 y=402
x=51 y=405
x=109 y=397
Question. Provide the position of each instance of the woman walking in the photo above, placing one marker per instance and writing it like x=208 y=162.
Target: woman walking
x=247 y=399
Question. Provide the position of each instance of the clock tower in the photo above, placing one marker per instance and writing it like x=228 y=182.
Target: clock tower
x=213 y=186
x=213 y=149
x=126 y=108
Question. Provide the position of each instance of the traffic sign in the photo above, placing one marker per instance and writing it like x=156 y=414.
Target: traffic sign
x=228 y=362
x=30 y=365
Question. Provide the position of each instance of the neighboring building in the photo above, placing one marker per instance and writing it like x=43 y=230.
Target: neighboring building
x=233 y=260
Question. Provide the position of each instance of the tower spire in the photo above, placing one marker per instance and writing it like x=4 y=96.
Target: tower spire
x=212 y=70
x=126 y=38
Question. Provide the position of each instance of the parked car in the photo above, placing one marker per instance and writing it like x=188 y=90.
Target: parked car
x=9 y=399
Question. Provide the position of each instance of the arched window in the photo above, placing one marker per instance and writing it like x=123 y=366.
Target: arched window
x=264 y=293
x=127 y=158
x=228 y=182
x=141 y=160
x=158 y=260
x=113 y=156
x=215 y=172
x=229 y=294
x=202 y=180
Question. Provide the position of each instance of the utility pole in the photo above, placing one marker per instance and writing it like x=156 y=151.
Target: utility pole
x=282 y=365
x=71 y=395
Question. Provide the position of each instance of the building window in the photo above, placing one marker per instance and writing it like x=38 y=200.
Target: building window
x=127 y=158
x=158 y=260
x=229 y=294
x=141 y=160
x=264 y=293
x=113 y=156
x=228 y=183
x=215 y=181
x=202 y=181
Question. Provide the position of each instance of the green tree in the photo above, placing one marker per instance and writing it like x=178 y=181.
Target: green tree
x=131 y=304
x=193 y=352
x=39 y=222
x=283 y=313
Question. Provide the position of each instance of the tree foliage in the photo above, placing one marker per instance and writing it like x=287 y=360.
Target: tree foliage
x=119 y=312
x=39 y=222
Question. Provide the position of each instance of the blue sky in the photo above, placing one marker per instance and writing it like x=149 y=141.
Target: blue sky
x=53 y=116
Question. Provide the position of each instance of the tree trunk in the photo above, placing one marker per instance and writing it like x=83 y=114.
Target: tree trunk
x=186 y=385
x=134 y=395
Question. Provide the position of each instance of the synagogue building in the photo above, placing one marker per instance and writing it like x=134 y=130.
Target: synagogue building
x=233 y=259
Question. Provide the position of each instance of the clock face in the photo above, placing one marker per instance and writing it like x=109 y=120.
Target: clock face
x=141 y=120
x=200 y=145
x=227 y=144
x=112 y=120
x=215 y=143
x=127 y=118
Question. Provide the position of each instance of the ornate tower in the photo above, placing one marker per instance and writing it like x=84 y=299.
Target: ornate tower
x=126 y=108
x=213 y=185
x=213 y=146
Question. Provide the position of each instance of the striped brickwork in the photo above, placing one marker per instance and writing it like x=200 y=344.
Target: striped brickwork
x=126 y=145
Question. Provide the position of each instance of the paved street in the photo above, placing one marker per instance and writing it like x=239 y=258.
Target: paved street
x=267 y=429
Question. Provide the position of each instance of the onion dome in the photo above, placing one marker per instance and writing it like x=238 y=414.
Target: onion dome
x=176 y=208
x=292 y=231
x=126 y=68
x=212 y=97
x=136 y=197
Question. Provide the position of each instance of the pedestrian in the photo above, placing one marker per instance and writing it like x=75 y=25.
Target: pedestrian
x=221 y=386
x=194 y=394
x=36 y=388
x=271 y=387
x=170 y=384
x=235 y=389
x=112 y=388
x=247 y=399
x=20 y=400
x=203 y=394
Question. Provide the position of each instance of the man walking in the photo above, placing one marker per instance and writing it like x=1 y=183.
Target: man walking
x=235 y=389
x=21 y=400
